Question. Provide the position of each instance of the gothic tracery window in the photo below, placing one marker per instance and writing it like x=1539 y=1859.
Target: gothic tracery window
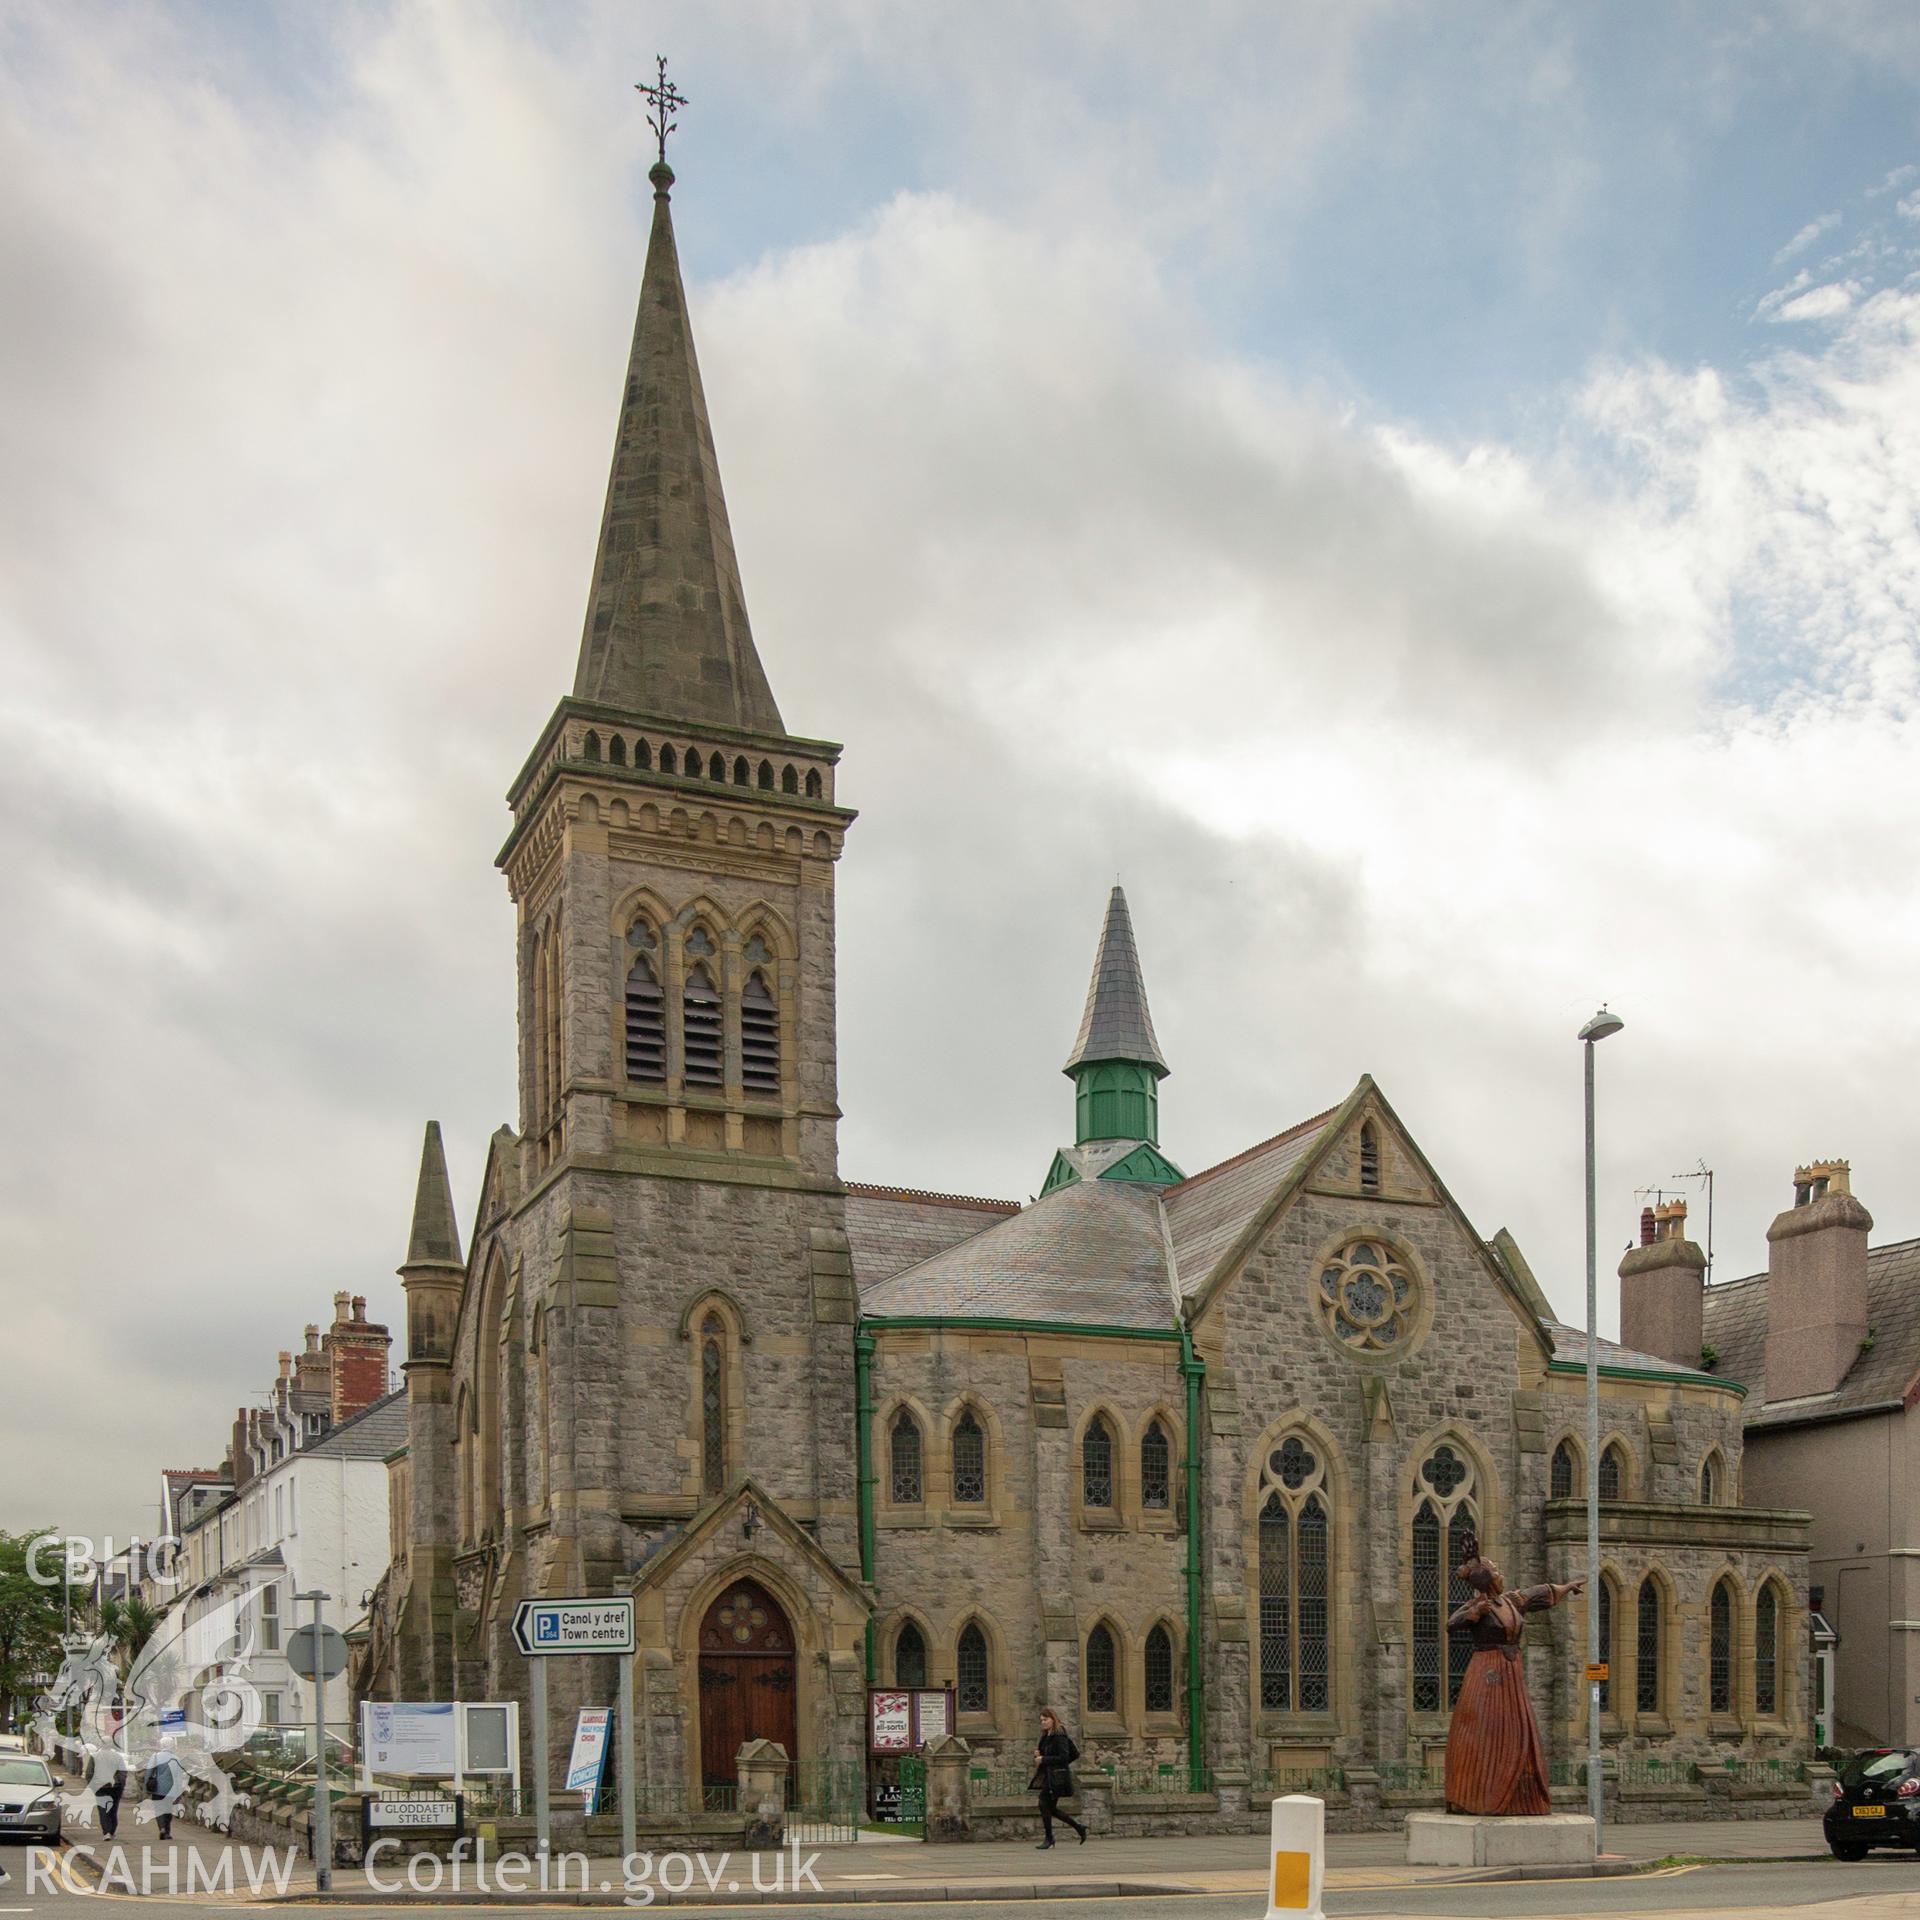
x=969 y=1461
x=1710 y=1480
x=1766 y=1652
x=971 y=1686
x=646 y=1008
x=1561 y=1479
x=1369 y=1296
x=1646 y=1692
x=1607 y=1611
x=1446 y=1516
x=1295 y=1656
x=904 y=1460
x=713 y=1405
x=1156 y=1469
x=1720 y=1650
x=1613 y=1472
x=1096 y=1463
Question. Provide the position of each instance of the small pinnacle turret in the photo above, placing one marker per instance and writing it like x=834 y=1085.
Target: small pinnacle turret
x=435 y=1236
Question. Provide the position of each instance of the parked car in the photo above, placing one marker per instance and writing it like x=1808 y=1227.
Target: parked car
x=1876 y=1803
x=29 y=1799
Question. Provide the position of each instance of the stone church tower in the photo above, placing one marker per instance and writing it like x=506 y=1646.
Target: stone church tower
x=640 y=1379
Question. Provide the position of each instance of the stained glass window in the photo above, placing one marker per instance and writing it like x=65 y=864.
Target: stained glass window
x=1646 y=1692
x=1446 y=1523
x=1096 y=1463
x=904 y=1459
x=1156 y=1468
x=970 y=1670
x=713 y=1406
x=969 y=1461
x=1158 y=1664
x=1295 y=1618
x=1606 y=1642
x=1766 y=1651
x=1103 y=1691
x=1720 y=1650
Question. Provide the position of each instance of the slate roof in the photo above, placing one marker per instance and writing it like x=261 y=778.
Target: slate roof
x=892 y=1228
x=371 y=1434
x=1090 y=1254
x=1208 y=1211
x=1736 y=1328
x=1116 y=1024
x=1570 y=1345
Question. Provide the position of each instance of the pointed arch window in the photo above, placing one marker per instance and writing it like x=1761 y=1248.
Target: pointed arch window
x=1103 y=1684
x=1295 y=1658
x=591 y=749
x=1157 y=1671
x=1369 y=1158
x=716 y=768
x=1720 y=1650
x=759 y=1024
x=969 y=1461
x=970 y=1671
x=617 y=751
x=789 y=780
x=1446 y=1516
x=1613 y=1471
x=1766 y=1652
x=667 y=762
x=766 y=776
x=1096 y=1463
x=643 y=755
x=1563 y=1472
x=903 y=1460
x=1710 y=1480
x=1646 y=1649
x=1156 y=1469
x=742 y=773
x=910 y=1657
x=701 y=1018
x=713 y=1404
x=1607 y=1611
x=813 y=783
x=646 y=1008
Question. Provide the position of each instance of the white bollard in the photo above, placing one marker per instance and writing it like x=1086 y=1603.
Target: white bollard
x=1299 y=1859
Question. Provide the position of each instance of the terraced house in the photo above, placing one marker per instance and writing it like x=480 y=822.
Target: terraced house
x=1188 y=1454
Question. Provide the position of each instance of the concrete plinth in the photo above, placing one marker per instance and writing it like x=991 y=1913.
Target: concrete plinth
x=1482 y=1840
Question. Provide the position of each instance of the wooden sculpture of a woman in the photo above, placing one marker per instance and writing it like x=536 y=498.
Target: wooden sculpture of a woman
x=1495 y=1763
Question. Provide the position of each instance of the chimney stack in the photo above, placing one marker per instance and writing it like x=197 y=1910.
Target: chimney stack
x=1661 y=1283
x=342 y=1308
x=1816 y=1283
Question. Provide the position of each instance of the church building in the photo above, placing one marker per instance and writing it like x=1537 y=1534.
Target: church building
x=1189 y=1455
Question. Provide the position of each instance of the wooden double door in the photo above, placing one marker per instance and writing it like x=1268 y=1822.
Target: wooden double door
x=749 y=1680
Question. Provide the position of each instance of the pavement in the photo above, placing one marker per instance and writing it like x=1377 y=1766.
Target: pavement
x=207 y=1869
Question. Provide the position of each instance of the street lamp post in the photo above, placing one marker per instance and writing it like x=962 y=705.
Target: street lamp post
x=322 y=1802
x=1597 y=1029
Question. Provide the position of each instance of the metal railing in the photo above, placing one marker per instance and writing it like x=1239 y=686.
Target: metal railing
x=1279 y=1780
x=1412 y=1776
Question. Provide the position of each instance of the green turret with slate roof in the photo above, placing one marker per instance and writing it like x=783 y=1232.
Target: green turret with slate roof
x=1116 y=1068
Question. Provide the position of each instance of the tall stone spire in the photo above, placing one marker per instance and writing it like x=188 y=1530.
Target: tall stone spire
x=666 y=629
x=435 y=1238
x=1116 y=1064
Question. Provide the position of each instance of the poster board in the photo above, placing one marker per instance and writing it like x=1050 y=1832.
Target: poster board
x=903 y=1720
x=408 y=1737
x=587 y=1763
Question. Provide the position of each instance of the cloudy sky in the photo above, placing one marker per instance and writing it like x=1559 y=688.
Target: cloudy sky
x=1426 y=494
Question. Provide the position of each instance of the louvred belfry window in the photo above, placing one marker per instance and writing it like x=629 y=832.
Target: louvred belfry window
x=701 y=1023
x=646 y=1008
x=759 y=1037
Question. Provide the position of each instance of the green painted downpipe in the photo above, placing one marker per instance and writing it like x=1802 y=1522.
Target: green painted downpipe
x=1194 y=1370
x=863 y=1344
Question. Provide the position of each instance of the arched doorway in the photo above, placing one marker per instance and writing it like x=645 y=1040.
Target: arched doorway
x=748 y=1679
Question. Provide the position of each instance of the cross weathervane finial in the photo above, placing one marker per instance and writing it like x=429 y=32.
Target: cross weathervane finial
x=665 y=99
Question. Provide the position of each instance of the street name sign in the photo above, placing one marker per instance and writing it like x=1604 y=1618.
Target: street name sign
x=542 y=1627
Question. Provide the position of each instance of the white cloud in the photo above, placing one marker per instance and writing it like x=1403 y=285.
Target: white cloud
x=1807 y=235
x=1821 y=303
x=1909 y=206
x=1896 y=178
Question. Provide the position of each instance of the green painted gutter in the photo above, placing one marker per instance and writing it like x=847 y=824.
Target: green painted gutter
x=1194 y=1371
x=968 y=1324
x=1649 y=1373
x=863 y=1433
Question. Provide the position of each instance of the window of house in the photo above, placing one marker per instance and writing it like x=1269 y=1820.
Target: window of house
x=1646 y=1691
x=910 y=1658
x=1295 y=1664
x=270 y=1709
x=1766 y=1652
x=970 y=1670
x=646 y=1008
x=713 y=1405
x=1445 y=1520
x=1156 y=1468
x=969 y=1461
x=1157 y=1669
x=1563 y=1472
x=270 y=1618
x=1103 y=1686
x=1613 y=1472
x=1720 y=1650
x=904 y=1460
x=1096 y=1463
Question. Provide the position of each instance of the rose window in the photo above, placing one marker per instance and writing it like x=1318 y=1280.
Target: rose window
x=1369 y=1296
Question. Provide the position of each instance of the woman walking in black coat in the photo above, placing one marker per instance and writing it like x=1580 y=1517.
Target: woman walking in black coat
x=1053 y=1762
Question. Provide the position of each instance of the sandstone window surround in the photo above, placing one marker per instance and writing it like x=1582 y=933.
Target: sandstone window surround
x=909 y=1489
x=1616 y=1473
x=1099 y=1502
x=1723 y=1654
x=1159 y=1688
x=1153 y=1495
x=978 y=1677
x=969 y=1474
x=1649 y=1654
x=1102 y=1701
x=1566 y=1477
x=1607 y=1596
x=1449 y=1506
x=1714 y=1491
x=906 y=1482
x=909 y=1656
x=1371 y=1295
x=1773 y=1636
x=716 y=1337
